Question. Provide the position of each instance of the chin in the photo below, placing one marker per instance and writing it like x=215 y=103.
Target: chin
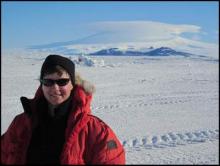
x=55 y=103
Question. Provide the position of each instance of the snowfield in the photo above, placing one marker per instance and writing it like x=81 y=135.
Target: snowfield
x=165 y=110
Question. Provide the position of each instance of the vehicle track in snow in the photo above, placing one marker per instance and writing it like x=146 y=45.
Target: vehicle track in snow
x=171 y=139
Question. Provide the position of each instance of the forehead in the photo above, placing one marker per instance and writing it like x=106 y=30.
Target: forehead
x=57 y=75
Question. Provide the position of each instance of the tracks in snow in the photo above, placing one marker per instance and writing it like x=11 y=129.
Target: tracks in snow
x=171 y=139
x=157 y=99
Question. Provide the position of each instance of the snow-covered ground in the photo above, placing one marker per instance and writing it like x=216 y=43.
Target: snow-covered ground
x=165 y=110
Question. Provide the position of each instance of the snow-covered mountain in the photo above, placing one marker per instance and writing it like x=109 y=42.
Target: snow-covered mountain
x=175 y=46
x=146 y=38
x=162 y=51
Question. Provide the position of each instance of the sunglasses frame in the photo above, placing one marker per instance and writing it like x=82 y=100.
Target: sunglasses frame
x=51 y=82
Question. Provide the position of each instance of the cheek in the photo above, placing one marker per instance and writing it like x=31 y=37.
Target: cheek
x=66 y=90
x=45 y=90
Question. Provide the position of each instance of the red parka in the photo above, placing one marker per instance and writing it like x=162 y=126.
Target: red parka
x=88 y=140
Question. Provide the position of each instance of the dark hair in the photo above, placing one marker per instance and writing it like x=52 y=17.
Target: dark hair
x=54 y=69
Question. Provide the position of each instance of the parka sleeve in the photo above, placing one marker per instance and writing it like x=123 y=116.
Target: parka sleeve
x=7 y=140
x=13 y=141
x=107 y=148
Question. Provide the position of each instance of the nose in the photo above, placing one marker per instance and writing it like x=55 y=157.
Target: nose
x=55 y=86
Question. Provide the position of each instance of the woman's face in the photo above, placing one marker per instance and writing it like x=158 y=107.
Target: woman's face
x=54 y=93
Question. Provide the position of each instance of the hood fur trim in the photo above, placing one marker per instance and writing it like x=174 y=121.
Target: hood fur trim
x=87 y=86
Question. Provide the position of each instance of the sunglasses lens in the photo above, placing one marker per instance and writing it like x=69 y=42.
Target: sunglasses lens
x=47 y=82
x=62 y=82
x=50 y=82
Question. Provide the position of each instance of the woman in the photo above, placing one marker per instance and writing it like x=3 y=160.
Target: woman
x=57 y=127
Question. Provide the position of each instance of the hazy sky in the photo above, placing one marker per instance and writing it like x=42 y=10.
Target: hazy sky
x=32 y=23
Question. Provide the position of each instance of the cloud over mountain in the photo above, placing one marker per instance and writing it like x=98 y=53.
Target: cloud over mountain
x=139 y=35
x=139 y=31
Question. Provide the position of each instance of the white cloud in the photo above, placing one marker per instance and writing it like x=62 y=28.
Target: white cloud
x=140 y=31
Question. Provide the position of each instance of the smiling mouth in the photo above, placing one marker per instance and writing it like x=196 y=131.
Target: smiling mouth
x=57 y=95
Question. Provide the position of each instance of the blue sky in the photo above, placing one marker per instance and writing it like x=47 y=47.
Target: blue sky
x=32 y=23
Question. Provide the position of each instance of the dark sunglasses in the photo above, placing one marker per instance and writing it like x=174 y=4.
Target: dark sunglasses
x=59 y=82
